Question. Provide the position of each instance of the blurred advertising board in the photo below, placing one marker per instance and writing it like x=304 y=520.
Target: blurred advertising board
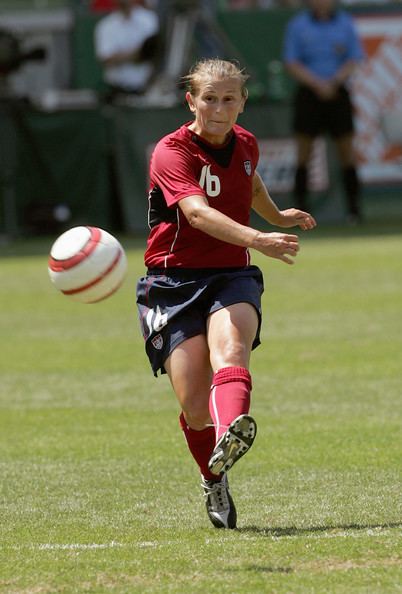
x=377 y=91
x=277 y=165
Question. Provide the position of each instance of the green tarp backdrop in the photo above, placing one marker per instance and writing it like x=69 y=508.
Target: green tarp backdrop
x=96 y=164
x=54 y=159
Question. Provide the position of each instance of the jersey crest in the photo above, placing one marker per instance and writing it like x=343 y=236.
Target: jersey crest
x=157 y=342
x=247 y=167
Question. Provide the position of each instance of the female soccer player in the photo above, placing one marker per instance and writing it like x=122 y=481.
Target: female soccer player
x=200 y=301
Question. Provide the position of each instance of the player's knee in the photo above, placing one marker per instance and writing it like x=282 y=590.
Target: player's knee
x=197 y=417
x=231 y=354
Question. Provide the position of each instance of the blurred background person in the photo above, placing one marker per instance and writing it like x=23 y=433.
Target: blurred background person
x=321 y=51
x=125 y=43
x=103 y=5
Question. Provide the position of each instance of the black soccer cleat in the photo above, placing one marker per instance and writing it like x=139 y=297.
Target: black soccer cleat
x=233 y=444
x=219 y=503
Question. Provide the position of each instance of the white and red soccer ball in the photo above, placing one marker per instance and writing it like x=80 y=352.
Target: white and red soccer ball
x=87 y=264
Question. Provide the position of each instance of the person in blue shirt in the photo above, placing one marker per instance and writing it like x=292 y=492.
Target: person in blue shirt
x=321 y=51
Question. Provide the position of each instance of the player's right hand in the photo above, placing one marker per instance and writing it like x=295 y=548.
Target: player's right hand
x=281 y=246
x=326 y=90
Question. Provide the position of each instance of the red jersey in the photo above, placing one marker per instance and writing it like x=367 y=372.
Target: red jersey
x=184 y=164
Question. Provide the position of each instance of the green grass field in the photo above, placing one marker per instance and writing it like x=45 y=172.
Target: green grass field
x=98 y=492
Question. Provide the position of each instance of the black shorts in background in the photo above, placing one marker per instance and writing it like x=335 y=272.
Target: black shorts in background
x=313 y=117
x=174 y=304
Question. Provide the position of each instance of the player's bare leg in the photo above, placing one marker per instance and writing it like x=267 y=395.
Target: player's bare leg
x=304 y=147
x=190 y=373
x=345 y=150
x=351 y=182
x=231 y=332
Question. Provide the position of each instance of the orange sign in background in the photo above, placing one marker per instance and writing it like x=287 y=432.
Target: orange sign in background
x=377 y=91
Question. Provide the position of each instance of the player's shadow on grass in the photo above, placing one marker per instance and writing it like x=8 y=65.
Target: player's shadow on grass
x=294 y=531
x=259 y=568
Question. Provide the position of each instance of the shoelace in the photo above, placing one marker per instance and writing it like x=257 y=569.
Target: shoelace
x=217 y=494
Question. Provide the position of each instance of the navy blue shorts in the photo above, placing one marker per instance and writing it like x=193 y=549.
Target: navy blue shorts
x=313 y=117
x=174 y=304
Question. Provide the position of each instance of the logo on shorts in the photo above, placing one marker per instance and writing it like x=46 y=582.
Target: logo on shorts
x=157 y=342
x=156 y=320
x=247 y=167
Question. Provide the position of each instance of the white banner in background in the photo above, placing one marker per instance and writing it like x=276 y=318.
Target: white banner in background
x=277 y=165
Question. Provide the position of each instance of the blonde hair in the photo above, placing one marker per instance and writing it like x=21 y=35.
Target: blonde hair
x=214 y=69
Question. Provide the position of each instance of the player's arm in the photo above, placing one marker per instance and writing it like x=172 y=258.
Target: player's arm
x=354 y=57
x=145 y=52
x=106 y=50
x=118 y=58
x=263 y=204
x=203 y=217
x=292 y=56
x=344 y=72
x=325 y=89
x=303 y=75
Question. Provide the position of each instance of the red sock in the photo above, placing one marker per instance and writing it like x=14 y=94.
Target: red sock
x=201 y=445
x=230 y=396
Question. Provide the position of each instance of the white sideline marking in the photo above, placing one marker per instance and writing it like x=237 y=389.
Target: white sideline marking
x=76 y=546
x=79 y=546
x=84 y=547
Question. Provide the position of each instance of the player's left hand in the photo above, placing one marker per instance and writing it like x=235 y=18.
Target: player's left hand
x=292 y=217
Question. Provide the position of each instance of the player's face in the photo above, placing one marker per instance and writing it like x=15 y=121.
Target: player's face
x=322 y=7
x=216 y=108
x=126 y=4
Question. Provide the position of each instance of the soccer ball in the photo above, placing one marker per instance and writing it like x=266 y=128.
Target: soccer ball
x=87 y=264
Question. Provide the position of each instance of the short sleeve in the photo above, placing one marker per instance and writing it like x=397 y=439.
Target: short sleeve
x=256 y=152
x=101 y=46
x=291 y=45
x=173 y=170
x=356 y=51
